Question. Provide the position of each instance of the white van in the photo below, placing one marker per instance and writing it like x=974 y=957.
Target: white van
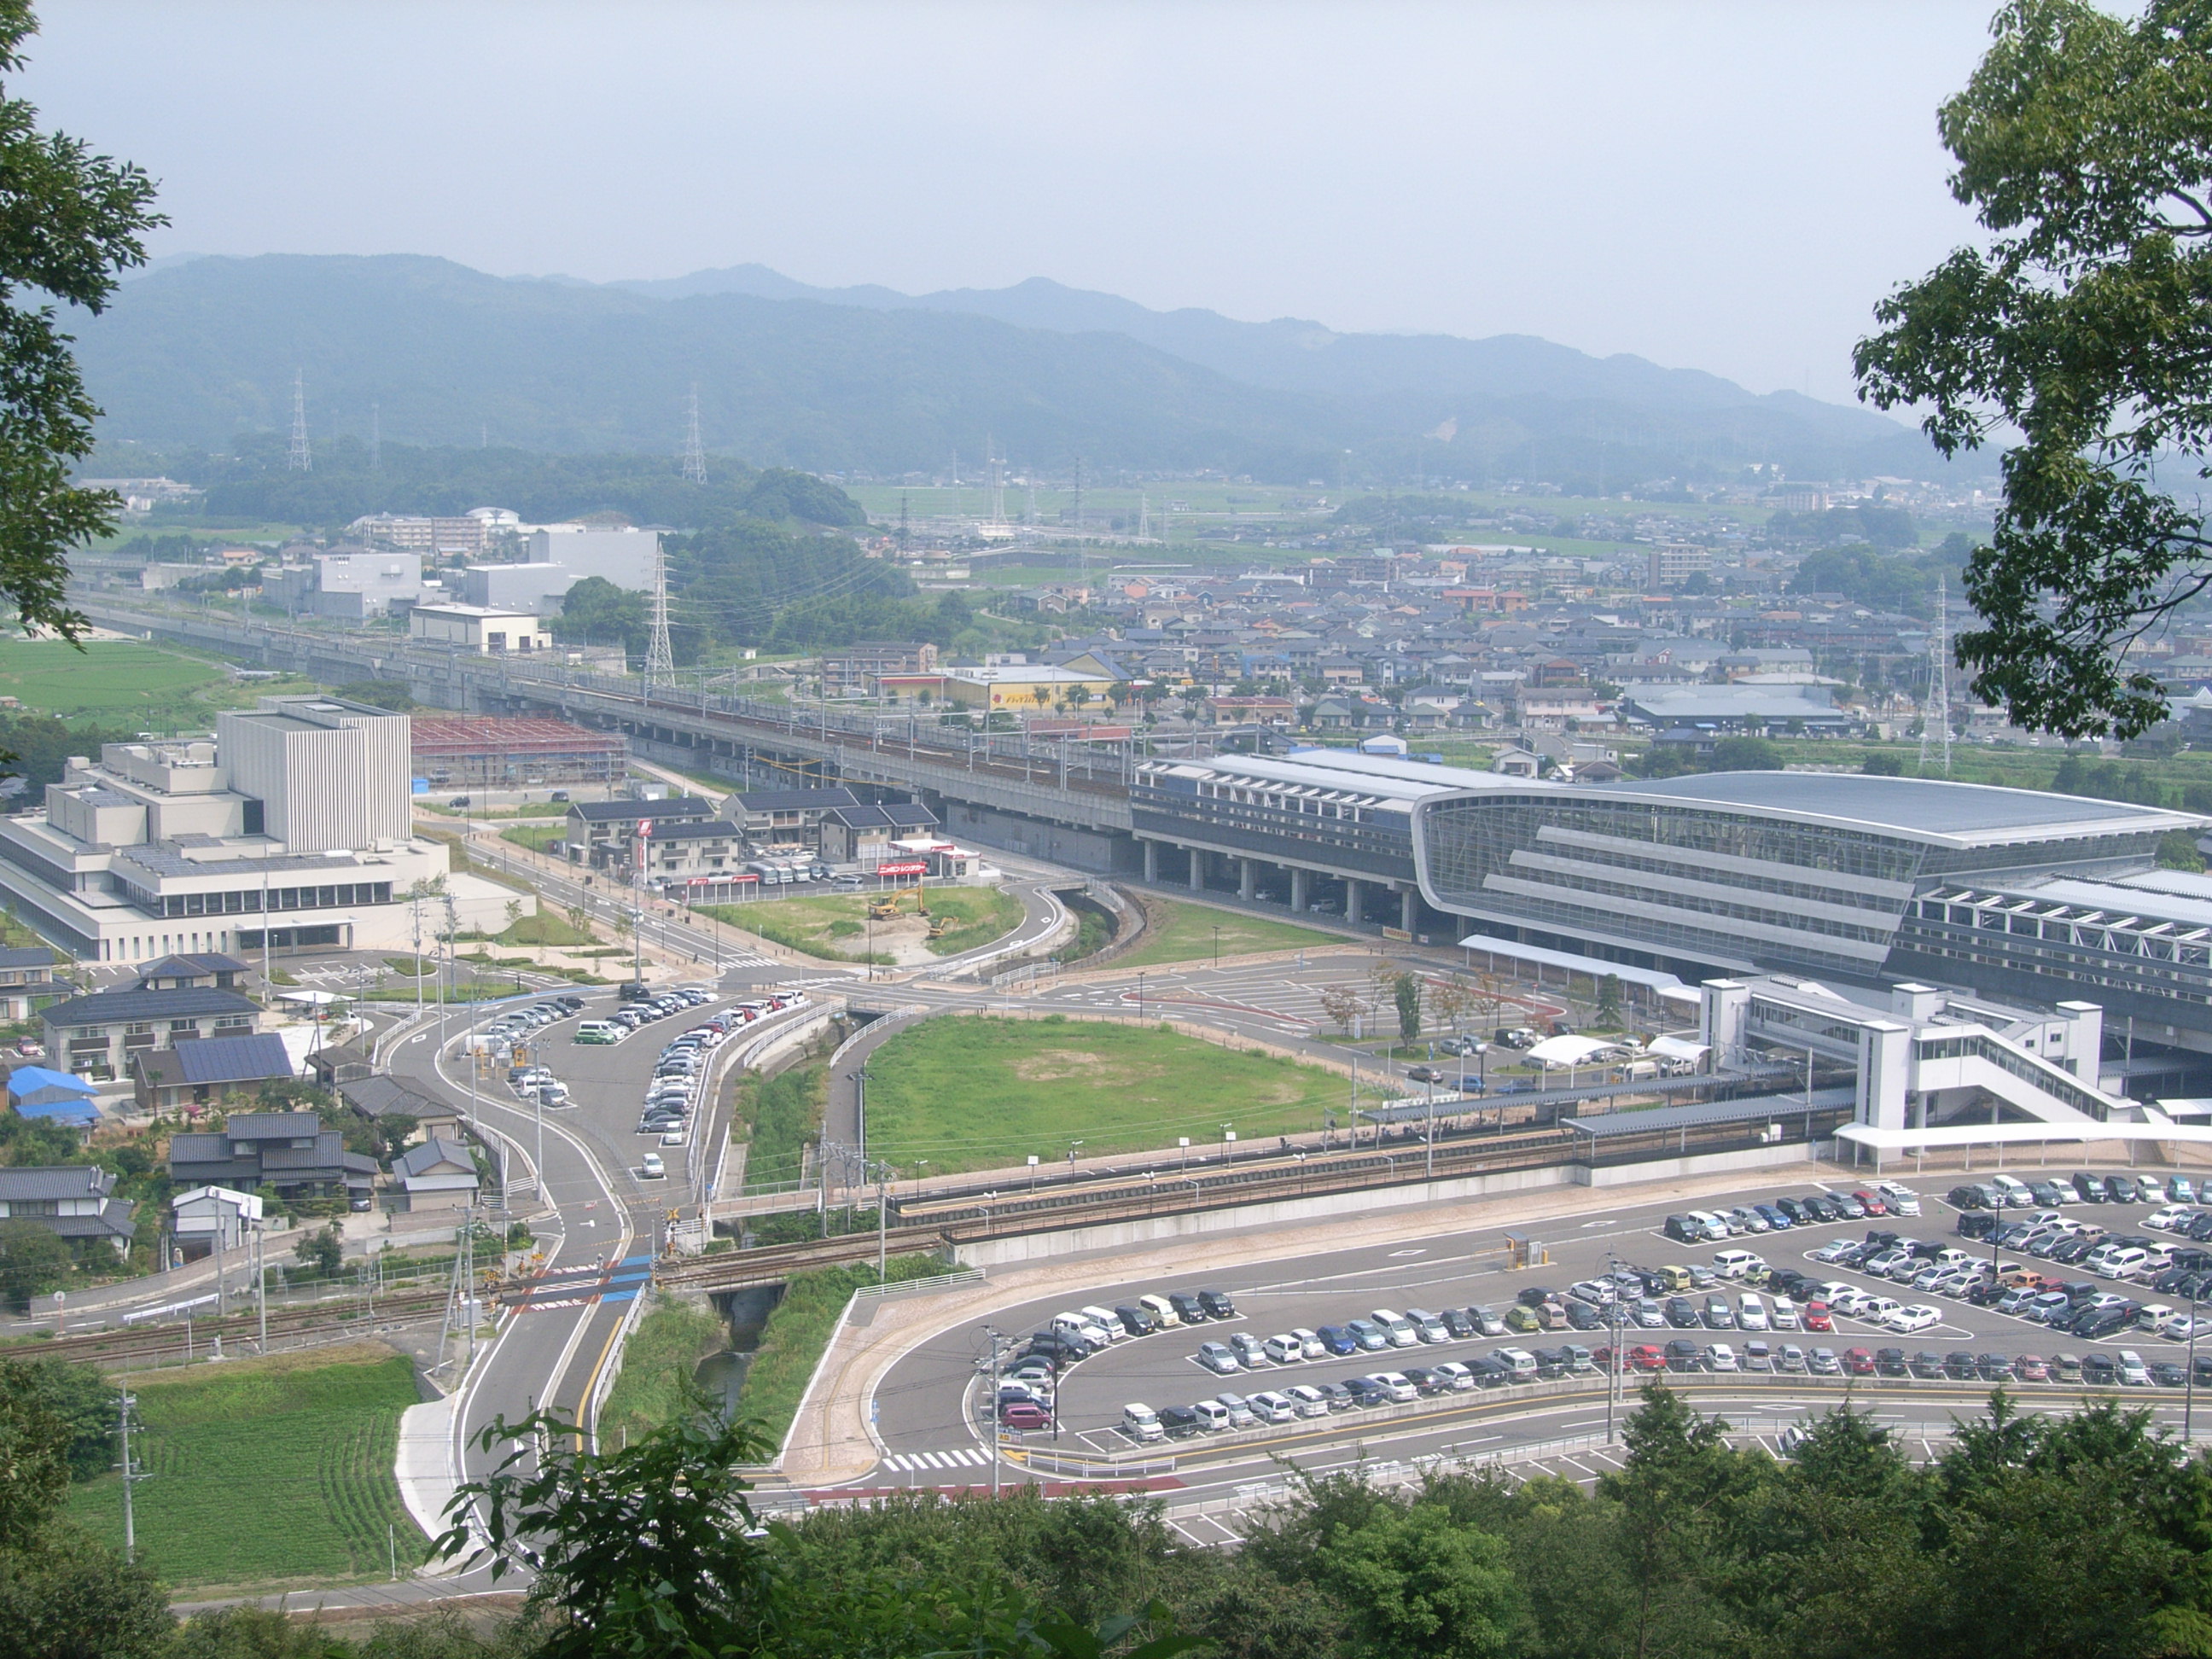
x=2017 y=1195
x=1716 y=1227
x=1162 y=1310
x=651 y=1167
x=1212 y=1415
x=1105 y=1321
x=1140 y=1422
x=1396 y=1327
x=1522 y=1362
x=1734 y=1264
x=2134 y=1373
x=1074 y=1324
x=1283 y=1349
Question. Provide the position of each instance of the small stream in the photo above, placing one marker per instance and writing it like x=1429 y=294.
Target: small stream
x=719 y=1375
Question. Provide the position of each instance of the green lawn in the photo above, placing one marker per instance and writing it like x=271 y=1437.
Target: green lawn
x=1189 y=931
x=979 y=1093
x=656 y=1384
x=107 y=677
x=797 y=1331
x=836 y=925
x=265 y=1470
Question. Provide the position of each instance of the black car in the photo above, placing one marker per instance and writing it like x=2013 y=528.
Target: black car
x=1794 y=1209
x=2091 y=1188
x=1583 y=1317
x=1994 y=1367
x=1682 y=1355
x=2095 y=1323
x=2100 y=1372
x=1958 y=1367
x=1787 y=1281
x=1217 y=1304
x=1496 y=1373
x=1969 y=1196
x=2045 y=1193
x=1366 y=1393
x=1188 y=1307
x=1457 y=1323
x=1536 y=1296
x=2167 y=1375
x=1976 y=1223
x=2200 y=1226
x=1890 y=1362
x=2072 y=1251
x=1823 y=1206
x=1551 y=1363
x=1179 y=1422
x=1682 y=1313
x=1136 y=1319
x=2203 y=1366
x=1926 y=1364
x=2122 y=1190
x=1426 y=1381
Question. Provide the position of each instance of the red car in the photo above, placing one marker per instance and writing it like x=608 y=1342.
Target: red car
x=1858 y=1362
x=1647 y=1356
x=1817 y=1318
x=1873 y=1202
x=1024 y=1414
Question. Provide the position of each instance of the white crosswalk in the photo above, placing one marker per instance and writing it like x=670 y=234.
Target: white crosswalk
x=966 y=1457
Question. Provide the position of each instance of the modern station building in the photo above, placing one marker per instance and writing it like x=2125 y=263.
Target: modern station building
x=1858 y=880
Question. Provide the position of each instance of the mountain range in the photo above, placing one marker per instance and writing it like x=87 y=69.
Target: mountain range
x=870 y=380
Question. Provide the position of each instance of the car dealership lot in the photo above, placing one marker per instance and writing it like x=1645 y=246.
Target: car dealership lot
x=1960 y=1352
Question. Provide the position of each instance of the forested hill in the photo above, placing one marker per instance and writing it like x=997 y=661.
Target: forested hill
x=199 y=353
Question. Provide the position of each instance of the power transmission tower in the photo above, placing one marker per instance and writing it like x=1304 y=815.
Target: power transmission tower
x=905 y=530
x=660 y=655
x=997 y=463
x=302 y=458
x=694 y=453
x=1936 y=711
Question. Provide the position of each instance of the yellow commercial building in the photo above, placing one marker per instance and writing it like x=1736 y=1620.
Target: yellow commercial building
x=1023 y=689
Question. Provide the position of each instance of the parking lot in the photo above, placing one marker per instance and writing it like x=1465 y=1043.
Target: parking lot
x=1806 y=1300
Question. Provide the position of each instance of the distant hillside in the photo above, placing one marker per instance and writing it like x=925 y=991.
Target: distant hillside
x=870 y=381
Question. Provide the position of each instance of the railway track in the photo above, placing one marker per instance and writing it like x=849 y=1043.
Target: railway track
x=239 y=1332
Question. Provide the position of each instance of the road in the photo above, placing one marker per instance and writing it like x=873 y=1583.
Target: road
x=926 y=1406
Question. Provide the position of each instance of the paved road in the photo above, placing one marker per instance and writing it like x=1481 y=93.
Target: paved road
x=927 y=1404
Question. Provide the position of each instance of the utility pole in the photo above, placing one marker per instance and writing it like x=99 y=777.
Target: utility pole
x=990 y=1382
x=884 y=1172
x=131 y=1476
x=261 y=1284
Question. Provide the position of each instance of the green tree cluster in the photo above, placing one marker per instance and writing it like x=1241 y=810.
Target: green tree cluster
x=2079 y=336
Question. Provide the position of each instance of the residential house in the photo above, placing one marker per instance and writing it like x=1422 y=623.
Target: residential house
x=288 y=1154
x=197 y=971
x=56 y=1096
x=602 y=834
x=208 y=1219
x=193 y=1075
x=25 y=974
x=98 y=1035
x=863 y=835
x=785 y=818
x=438 y=1174
x=71 y=1201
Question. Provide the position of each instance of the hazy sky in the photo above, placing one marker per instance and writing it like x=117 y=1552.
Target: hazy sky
x=1722 y=187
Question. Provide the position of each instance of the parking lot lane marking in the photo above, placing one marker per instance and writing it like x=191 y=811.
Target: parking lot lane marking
x=1607 y=1222
x=1399 y=1254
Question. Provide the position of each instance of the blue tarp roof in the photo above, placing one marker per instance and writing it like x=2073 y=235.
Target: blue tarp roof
x=28 y=1079
x=82 y=1113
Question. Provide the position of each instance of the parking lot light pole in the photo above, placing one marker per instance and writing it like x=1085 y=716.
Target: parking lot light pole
x=2189 y=1385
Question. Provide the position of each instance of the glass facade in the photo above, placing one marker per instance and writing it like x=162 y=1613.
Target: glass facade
x=2091 y=949
x=1345 y=829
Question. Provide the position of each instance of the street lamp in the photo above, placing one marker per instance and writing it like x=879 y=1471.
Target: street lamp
x=1072 y=1147
x=1033 y=1170
x=1183 y=1141
x=1228 y=1145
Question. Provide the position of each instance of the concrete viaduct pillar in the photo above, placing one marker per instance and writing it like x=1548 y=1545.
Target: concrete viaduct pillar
x=1247 y=878
x=1300 y=881
x=1409 y=907
x=1197 y=869
x=1152 y=863
x=1355 y=893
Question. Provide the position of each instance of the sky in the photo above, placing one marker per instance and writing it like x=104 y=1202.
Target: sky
x=1723 y=186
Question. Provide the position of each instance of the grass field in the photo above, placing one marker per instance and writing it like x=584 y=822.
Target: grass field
x=655 y=1385
x=836 y=925
x=980 y=1093
x=799 y=1330
x=266 y=1470
x=110 y=677
x=1186 y=935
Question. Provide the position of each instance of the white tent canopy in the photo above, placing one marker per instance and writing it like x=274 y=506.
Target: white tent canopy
x=1676 y=1048
x=1569 y=1050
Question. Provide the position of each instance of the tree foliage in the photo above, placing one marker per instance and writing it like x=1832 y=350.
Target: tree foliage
x=70 y=223
x=2084 y=146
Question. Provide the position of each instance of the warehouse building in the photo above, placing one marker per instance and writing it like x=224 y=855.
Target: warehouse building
x=473 y=751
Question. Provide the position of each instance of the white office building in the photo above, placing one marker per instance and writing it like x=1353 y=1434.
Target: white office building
x=290 y=830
